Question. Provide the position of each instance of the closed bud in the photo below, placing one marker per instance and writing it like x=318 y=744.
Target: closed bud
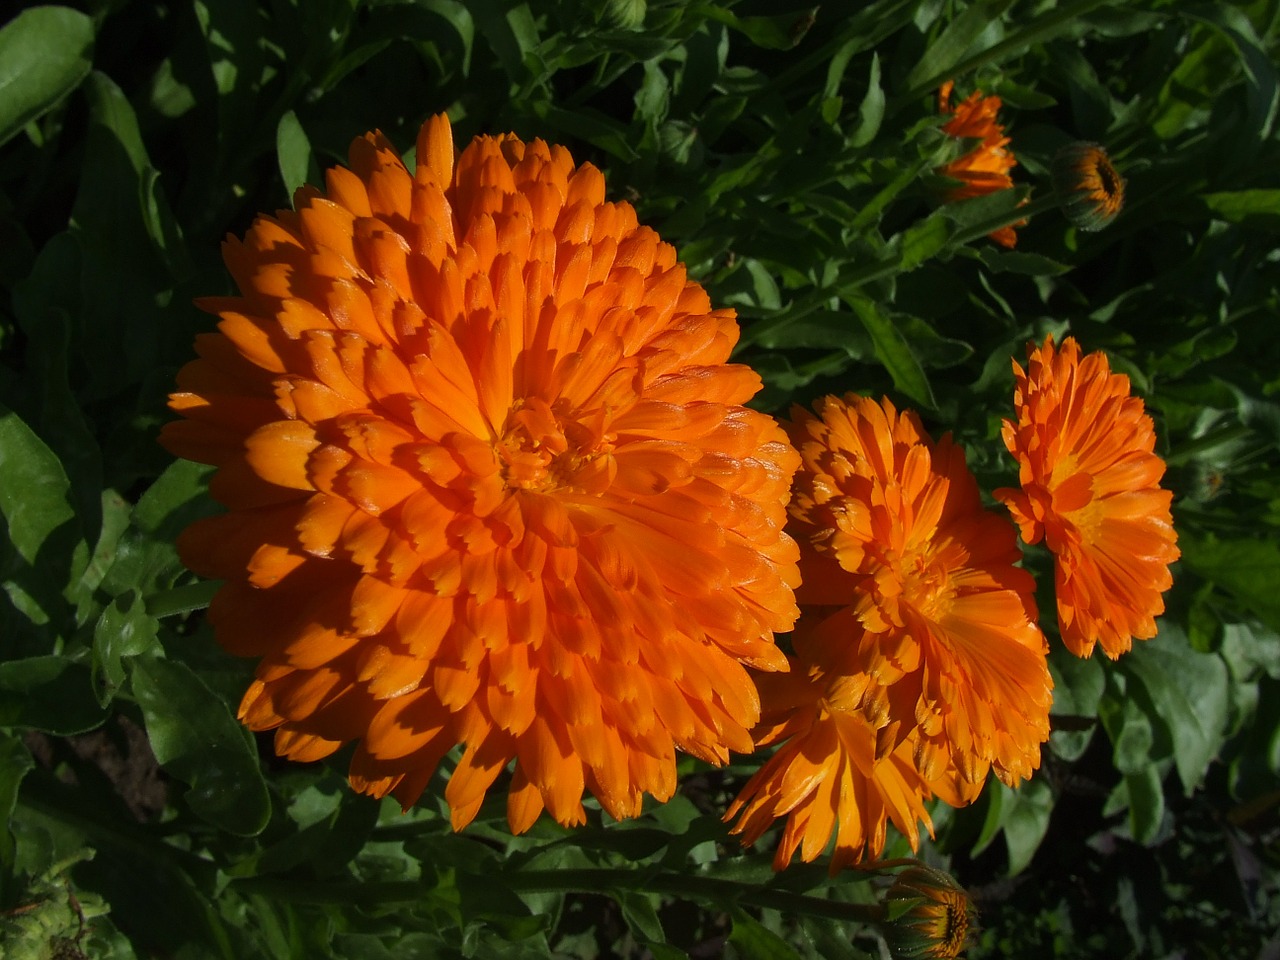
x=927 y=915
x=1087 y=185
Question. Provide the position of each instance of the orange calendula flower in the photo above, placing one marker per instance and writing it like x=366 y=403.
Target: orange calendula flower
x=1090 y=488
x=985 y=168
x=490 y=482
x=928 y=618
x=827 y=777
x=937 y=919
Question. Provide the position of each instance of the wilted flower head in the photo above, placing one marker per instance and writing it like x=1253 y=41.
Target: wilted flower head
x=929 y=915
x=490 y=482
x=924 y=609
x=1090 y=488
x=985 y=168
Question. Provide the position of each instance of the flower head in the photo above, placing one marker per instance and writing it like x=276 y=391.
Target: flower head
x=489 y=482
x=826 y=778
x=1087 y=185
x=937 y=917
x=1090 y=488
x=985 y=168
x=925 y=613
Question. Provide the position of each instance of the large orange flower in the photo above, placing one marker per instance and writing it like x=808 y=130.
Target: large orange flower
x=1090 y=488
x=985 y=168
x=826 y=778
x=490 y=482
x=928 y=618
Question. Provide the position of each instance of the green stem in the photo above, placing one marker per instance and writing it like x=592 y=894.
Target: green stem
x=705 y=889
x=194 y=596
x=1025 y=212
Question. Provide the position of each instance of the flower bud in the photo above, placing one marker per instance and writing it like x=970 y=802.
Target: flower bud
x=927 y=915
x=1089 y=189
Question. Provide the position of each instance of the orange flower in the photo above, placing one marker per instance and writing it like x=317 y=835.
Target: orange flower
x=929 y=618
x=985 y=168
x=490 y=482
x=1090 y=489
x=826 y=777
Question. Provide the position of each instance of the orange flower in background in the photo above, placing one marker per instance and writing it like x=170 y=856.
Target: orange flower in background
x=985 y=168
x=490 y=482
x=927 y=615
x=1090 y=488
x=826 y=777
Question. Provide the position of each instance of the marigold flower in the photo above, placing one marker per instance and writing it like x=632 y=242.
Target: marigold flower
x=1089 y=188
x=985 y=168
x=1090 y=488
x=490 y=482
x=826 y=778
x=936 y=924
x=930 y=621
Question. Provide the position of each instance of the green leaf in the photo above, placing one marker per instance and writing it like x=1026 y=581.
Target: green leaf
x=1025 y=817
x=45 y=553
x=954 y=42
x=1248 y=569
x=1190 y=693
x=293 y=152
x=641 y=915
x=196 y=739
x=15 y=761
x=757 y=942
x=45 y=53
x=1245 y=206
x=1077 y=688
x=871 y=110
x=48 y=693
x=123 y=630
x=894 y=352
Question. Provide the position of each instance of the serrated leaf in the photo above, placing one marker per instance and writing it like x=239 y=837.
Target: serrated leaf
x=45 y=53
x=196 y=739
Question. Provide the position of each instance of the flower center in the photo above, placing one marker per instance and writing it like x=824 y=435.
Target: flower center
x=542 y=452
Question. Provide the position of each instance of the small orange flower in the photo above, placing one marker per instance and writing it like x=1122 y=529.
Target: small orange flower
x=490 y=482
x=985 y=168
x=826 y=778
x=928 y=615
x=937 y=919
x=1090 y=488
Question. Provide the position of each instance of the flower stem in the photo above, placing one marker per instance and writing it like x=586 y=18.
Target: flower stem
x=712 y=890
x=1025 y=212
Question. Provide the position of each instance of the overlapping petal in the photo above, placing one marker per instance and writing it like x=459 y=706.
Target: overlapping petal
x=923 y=594
x=1090 y=489
x=489 y=481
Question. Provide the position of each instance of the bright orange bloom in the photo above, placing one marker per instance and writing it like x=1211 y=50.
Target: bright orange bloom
x=826 y=778
x=490 y=482
x=928 y=617
x=1090 y=488
x=985 y=168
